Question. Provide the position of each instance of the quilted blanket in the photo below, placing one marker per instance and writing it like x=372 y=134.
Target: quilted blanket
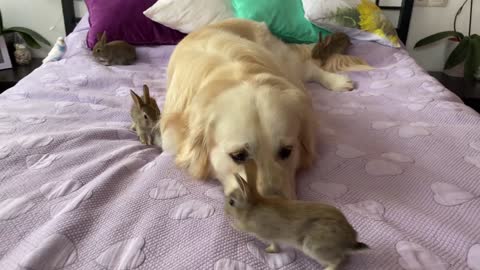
x=399 y=155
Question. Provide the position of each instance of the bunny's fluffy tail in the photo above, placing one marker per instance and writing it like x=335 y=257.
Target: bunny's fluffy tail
x=341 y=62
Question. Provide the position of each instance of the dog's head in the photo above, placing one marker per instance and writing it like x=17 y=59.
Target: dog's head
x=253 y=120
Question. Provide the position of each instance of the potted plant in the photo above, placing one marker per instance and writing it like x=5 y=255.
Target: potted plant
x=32 y=38
x=465 y=56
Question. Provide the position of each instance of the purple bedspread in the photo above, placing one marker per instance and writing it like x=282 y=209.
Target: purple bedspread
x=399 y=155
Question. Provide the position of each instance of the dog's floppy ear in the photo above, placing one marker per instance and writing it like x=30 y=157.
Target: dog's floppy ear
x=194 y=152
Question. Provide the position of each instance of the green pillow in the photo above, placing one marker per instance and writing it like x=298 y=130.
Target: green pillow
x=285 y=18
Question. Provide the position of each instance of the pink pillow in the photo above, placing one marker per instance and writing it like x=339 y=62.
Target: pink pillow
x=124 y=20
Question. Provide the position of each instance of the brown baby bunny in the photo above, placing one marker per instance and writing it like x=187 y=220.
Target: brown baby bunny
x=331 y=53
x=145 y=115
x=336 y=43
x=116 y=52
x=319 y=230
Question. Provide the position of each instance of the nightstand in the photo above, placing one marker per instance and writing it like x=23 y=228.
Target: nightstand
x=10 y=77
x=468 y=91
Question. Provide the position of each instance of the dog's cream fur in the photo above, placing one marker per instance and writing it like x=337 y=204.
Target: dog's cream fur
x=233 y=86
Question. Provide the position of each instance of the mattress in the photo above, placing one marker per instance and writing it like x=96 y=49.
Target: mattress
x=399 y=155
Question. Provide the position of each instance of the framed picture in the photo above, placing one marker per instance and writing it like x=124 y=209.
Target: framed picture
x=389 y=3
x=5 y=62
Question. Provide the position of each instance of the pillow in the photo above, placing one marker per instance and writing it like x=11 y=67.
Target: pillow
x=189 y=15
x=285 y=18
x=124 y=20
x=360 y=19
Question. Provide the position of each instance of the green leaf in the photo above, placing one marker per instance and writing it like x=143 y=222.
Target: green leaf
x=31 y=33
x=472 y=63
x=438 y=36
x=459 y=54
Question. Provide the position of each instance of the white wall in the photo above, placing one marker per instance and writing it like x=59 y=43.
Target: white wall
x=429 y=20
x=38 y=15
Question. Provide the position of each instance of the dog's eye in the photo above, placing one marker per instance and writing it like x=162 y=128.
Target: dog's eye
x=240 y=156
x=284 y=152
x=231 y=202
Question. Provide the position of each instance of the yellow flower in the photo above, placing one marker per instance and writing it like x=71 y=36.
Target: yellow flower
x=369 y=16
x=380 y=33
x=372 y=20
x=394 y=40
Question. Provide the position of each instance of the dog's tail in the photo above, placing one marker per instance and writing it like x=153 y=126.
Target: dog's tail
x=342 y=62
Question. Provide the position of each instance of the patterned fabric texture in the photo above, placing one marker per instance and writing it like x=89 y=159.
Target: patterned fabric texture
x=399 y=155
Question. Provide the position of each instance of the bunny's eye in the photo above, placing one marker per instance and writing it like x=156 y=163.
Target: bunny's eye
x=231 y=202
x=284 y=152
x=145 y=116
x=98 y=50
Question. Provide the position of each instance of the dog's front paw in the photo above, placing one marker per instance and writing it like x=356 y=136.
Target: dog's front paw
x=341 y=83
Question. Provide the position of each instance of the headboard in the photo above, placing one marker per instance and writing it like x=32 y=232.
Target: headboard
x=404 y=7
x=70 y=18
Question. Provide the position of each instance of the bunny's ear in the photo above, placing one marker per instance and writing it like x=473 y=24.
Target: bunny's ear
x=328 y=40
x=146 y=94
x=251 y=172
x=242 y=184
x=99 y=37
x=136 y=99
x=104 y=37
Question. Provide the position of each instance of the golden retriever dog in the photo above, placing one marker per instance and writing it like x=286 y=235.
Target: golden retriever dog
x=236 y=92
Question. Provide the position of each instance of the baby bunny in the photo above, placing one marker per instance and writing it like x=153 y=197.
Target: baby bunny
x=331 y=54
x=145 y=114
x=117 y=52
x=336 y=43
x=321 y=231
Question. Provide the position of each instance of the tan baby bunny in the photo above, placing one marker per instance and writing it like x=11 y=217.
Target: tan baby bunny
x=145 y=114
x=116 y=52
x=321 y=231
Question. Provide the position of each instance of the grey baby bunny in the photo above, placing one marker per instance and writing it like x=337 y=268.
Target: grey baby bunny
x=321 y=231
x=145 y=115
x=116 y=52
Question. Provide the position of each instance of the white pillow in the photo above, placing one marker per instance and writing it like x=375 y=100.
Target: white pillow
x=189 y=15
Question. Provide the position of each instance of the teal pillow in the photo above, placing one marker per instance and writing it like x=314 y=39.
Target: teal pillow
x=285 y=18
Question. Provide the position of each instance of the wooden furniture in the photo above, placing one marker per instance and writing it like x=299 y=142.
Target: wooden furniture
x=468 y=91
x=10 y=77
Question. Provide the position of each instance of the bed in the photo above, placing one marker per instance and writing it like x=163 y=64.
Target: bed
x=399 y=155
